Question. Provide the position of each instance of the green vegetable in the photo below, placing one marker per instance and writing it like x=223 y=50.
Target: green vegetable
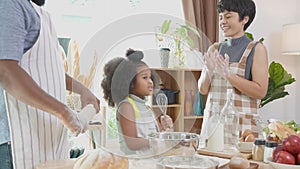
x=278 y=78
x=293 y=125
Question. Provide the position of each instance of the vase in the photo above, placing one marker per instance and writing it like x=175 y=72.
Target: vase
x=178 y=58
x=164 y=57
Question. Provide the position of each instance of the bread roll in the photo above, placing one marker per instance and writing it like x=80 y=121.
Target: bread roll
x=239 y=163
x=101 y=159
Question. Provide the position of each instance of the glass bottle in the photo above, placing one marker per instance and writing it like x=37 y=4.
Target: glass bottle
x=231 y=122
x=215 y=140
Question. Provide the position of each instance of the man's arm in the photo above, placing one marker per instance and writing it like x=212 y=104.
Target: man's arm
x=87 y=97
x=19 y=84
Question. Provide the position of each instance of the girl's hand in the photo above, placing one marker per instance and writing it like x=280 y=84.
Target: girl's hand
x=166 y=123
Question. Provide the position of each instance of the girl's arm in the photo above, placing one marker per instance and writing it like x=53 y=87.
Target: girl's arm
x=126 y=117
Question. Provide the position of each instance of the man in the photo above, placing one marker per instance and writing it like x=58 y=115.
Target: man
x=33 y=77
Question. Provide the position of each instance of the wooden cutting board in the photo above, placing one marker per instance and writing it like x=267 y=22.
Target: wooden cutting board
x=224 y=154
x=252 y=166
x=56 y=164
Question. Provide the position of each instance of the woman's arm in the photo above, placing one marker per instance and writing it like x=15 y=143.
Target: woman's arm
x=257 y=88
x=207 y=73
x=126 y=117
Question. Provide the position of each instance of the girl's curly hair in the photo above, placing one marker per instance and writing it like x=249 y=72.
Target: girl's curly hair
x=120 y=75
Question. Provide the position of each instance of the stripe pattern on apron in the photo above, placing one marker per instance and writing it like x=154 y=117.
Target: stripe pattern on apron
x=38 y=136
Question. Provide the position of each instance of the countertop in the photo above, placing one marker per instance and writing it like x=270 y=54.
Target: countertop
x=133 y=164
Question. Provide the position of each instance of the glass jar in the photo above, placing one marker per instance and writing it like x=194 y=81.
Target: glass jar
x=258 y=150
x=269 y=148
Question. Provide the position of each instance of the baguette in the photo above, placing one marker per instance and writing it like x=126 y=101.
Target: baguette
x=281 y=130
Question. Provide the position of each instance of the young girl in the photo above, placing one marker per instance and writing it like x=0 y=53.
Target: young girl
x=126 y=83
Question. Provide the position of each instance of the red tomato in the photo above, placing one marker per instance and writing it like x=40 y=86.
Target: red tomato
x=285 y=157
x=292 y=144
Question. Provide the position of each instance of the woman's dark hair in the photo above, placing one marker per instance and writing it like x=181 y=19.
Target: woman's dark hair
x=39 y=2
x=242 y=7
x=120 y=76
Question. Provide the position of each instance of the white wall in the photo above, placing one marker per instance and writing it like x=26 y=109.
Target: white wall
x=84 y=18
x=271 y=15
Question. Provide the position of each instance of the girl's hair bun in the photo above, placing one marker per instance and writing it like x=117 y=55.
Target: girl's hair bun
x=134 y=55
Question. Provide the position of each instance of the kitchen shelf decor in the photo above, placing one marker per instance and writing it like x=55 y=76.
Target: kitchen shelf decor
x=183 y=110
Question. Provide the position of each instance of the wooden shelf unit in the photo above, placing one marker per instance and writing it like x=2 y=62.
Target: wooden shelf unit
x=184 y=80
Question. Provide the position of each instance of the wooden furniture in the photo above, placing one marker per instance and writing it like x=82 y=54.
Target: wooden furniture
x=186 y=81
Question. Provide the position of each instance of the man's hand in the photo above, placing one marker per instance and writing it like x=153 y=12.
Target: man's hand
x=72 y=122
x=89 y=98
x=86 y=115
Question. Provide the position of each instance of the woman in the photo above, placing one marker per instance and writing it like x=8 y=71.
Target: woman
x=244 y=67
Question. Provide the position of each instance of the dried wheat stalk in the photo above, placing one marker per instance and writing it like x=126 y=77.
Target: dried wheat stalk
x=76 y=65
x=91 y=74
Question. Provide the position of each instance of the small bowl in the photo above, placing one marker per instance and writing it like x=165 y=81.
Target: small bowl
x=173 y=143
x=282 y=166
x=245 y=147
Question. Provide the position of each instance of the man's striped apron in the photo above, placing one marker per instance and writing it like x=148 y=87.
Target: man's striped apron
x=38 y=136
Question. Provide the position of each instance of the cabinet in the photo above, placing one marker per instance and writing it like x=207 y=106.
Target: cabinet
x=182 y=113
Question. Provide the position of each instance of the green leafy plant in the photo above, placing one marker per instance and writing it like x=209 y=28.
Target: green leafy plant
x=179 y=35
x=250 y=36
x=278 y=78
x=112 y=125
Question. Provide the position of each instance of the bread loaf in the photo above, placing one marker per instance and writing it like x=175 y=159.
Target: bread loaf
x=99 y=158
x=281 y=130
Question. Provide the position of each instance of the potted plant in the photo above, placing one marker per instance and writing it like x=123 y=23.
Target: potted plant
x=176 y=38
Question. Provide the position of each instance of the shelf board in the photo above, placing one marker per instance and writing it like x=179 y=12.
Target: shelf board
x=171 y=105
x=192 y=117
x=176 y=69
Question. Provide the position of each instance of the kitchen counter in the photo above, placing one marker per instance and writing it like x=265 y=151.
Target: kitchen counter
x=133 y=164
